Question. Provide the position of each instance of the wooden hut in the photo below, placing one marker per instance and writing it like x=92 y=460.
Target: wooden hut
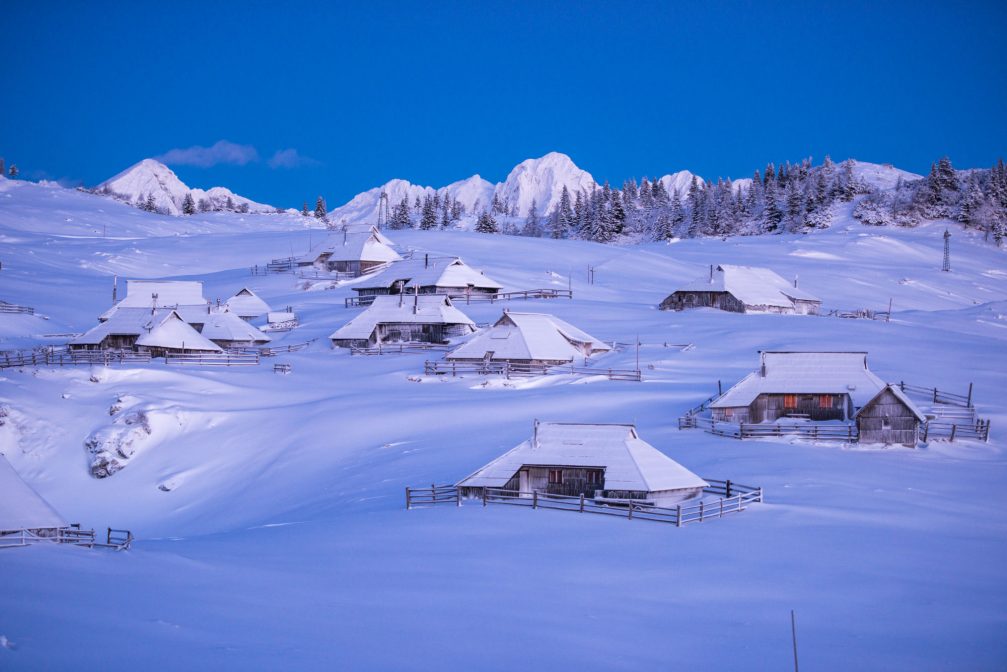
x=353 y=253
x=890 y=418
x=429 y=275
x=228 y=330
x=420 y=318
x=608 y=463
x=817 y=386
x=529 y=338
x=247 y=305
x=743 y=289
x=173 y=335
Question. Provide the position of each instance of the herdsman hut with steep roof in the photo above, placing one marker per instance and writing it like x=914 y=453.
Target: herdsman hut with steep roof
x=353 y=253
x=429 y=275
x=172 y=335
x=822 y=386
x=247 y=305
x=607 y=463
x=420 y=318
x=743 y=289
x=529 y=338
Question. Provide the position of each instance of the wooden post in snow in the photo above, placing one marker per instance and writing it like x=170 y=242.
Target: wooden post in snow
x=408 y=503
x=793 y=636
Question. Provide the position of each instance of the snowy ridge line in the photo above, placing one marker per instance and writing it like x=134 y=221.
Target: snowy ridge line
x=682 y=514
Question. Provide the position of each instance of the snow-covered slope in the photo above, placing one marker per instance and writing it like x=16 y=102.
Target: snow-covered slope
x=542 y=180
x=151 y=177
x=881 y=175
x=474 y=193
x=269 y=508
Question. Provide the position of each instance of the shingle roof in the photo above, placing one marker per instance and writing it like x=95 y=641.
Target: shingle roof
x=402 y=309
x=247 y=303
x=174 y=333
x=223 y=325
x=21 y=508
x=806 y=373
x=361 y=246
x=629 y=462
x=438 y=271
x=751 y=285
x=529 y=336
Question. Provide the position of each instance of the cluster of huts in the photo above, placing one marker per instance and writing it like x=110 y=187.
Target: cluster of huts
x=173 y=317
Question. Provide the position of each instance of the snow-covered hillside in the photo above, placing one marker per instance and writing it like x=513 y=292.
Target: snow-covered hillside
x=269 y=508
x=152 y=178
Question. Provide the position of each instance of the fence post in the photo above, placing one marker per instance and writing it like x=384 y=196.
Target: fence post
x=484 y=496
x=534 y=499
x=700 y=510
x=629 y=516
x=969 y=401
x=678 y=516
x=408 y=503
x=721 y=507
x=458 y=496
x=582 y=502
x=108 y=537
x=953 y=429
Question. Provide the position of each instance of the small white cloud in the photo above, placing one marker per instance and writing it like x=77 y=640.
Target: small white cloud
x=221 y=151
x=290 y=158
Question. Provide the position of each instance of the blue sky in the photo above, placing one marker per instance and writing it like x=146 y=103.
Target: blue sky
x=351 y=96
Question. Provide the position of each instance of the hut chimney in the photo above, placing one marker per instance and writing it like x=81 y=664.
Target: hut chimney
x=400 y=299
x=711 y=274
x=416 y=300
x=115 y=288
x=153 y=303
x=762 y=368
x=426 y=260
x=795 y=281
x=534 y=436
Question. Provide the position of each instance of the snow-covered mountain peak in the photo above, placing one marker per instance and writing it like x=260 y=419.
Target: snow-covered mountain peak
x=881 y=175
x=151 y=177
x=542 y=180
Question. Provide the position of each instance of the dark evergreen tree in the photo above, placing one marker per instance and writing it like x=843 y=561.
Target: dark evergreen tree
x=320 y=211
x=428 y=220
x=400 y=215
x=532 y=224
x=304 y=209
x=150 y=205
x=486 y=223
x=188 y=205
x=13 y=172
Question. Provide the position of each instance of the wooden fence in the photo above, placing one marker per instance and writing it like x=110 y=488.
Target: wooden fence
x=476 y=297
x=15 y=308
x=522 y=370
x=935 y=429
x=936 y=396
x=212 y=359
x=272 y=351
x=399 y=348
x=733 y=499
x=62 y=357
x=812 y=431
x=283 y=265
x=117 y=539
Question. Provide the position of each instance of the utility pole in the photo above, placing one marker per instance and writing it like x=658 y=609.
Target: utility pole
x=947 y=251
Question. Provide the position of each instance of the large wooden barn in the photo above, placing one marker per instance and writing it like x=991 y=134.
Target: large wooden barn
x=743 y=289
x=529 y=338
x=890 y=418
x=420 y=318
x=429 y=275
x=816 y=386
x=353 y=253
x=608 y=463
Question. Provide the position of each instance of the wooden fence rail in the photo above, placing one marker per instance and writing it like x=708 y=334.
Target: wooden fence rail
x=116 y=539
x=733 y=498
x=939 y=396
x=399 y=348
x=55 y=356
x=519 y=370
x=15 y=308
x=476 y=297
x=212 y=359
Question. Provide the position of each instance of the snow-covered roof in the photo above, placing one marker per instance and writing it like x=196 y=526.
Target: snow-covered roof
x=175 y=333
x=223 y=325
x=529 y=336
x=433 y=272
x=806 y=373
x=752 y=285
x=247 y=303
x=170 y=294
x=402 y=309
x=278 y=317
x=21 y=508
x=629 y=462
x=122 y=322
x=901 y=396
x=361 y=246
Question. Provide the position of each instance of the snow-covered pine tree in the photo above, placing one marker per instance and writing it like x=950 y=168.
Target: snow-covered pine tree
x=486 y=223
x=304 y=209
x=1 y=166
x=445 y=217
x=150 y=205
x=772 y=216
x=532 y=224
x=617 y=212
x=13 y=172
x=230 y=204
x=320 y=211
x=457 y=210
x=188 y=205
x=428 y=219
x=646 y=195
x=795 y=206
x=659 y=194
x=400 y=215
x=676 y=214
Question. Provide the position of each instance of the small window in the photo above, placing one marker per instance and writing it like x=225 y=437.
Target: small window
x=555 y=476
x=825 y=401
x=790 y=401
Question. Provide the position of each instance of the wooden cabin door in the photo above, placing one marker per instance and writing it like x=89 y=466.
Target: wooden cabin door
x=523 y=483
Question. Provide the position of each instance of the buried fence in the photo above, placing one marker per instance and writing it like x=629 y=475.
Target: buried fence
x=116 y=539
x=212 y=359
x=733 y=498
x=477 y=297
x=62 y=357
x=734 y=430
x=399 y=348
x=520 y=370
x=15 y=308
